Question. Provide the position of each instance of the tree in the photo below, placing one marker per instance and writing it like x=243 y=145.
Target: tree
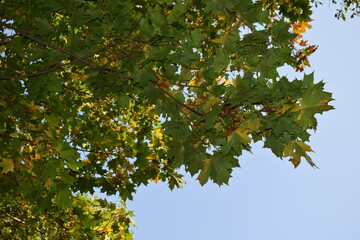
x=108 y=95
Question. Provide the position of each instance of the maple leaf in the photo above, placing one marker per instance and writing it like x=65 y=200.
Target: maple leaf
x=297 y=149
x=217 y=168
x=314 y=101
x=222 y=39
x=7 y=165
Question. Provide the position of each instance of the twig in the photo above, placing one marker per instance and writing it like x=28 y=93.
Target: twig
x=195 y=86
x=236 y=17
x=21 y=221
x=176 y=100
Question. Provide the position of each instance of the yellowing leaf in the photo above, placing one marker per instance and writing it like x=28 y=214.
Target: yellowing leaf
x=297 y=149
x=211 y=101
x=301 y=27
x=295 y=161
x=7 y=165
x=242 y=136
x=221 y=17
x=283 y=109
x=221 y=40
x=251 y=125
x=48 y=183
x=163 y=83
x=156 y=180
x=104 y=60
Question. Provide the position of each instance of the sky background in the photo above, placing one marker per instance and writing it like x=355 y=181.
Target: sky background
x=267 y=198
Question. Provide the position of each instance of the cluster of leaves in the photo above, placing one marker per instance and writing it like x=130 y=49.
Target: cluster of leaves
x=88 y=218
x=112 y=94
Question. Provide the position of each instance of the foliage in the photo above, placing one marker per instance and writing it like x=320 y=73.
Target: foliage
x=88 y=218
x=110 y=95
x=352 y=6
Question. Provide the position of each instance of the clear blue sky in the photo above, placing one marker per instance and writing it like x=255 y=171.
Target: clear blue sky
x=268 y=199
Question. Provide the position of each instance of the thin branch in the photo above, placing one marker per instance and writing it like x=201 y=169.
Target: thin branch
x=176 y=100
x=195 y=86
x=61 y=65
x=14 y=218
x=35 y=74
x=81 y=59
x=151 y=44
x=236 y=17
x=74 y=61
x=21 y=221
x=115 y=154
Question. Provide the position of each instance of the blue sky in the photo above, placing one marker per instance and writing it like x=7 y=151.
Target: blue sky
x=267 y=198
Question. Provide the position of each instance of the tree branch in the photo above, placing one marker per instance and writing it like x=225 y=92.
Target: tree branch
x=78 y=58
x=176 y=100
x=21 y=221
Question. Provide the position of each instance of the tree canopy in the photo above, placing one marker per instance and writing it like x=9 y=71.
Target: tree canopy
x=109 y=95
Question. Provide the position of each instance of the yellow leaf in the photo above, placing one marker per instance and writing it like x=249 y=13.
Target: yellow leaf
x=307 y=25
x=7 y=165
x=283 y=109
x=211 y=101
x=48 y=183
x=163 y=83
x=156 y=180
x=295 y=161
x=221 y=17
x=251 y=125
x=243 y=136
x=221 y=40
x=104 y=60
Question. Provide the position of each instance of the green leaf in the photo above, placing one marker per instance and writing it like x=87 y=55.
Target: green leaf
x=197 y=38
x=276 y=144
x=51 y=168
x=143 y=76
x=177 y=150
x=43 y=25
x=63 y=198
x=281 y=33
x=69 y=154
x=216 y=168
x=315 y=100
